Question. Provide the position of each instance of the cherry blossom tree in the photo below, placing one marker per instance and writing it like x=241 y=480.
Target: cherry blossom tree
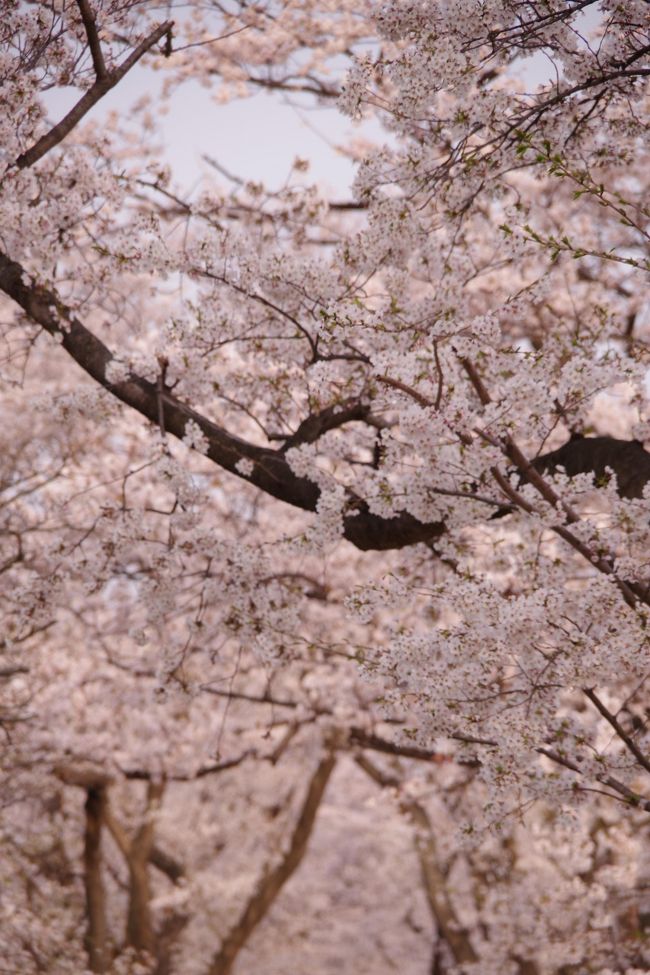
x=325 y=521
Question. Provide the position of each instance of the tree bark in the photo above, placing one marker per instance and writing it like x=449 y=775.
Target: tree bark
x=139 y=924
x=274 y=879
x=271 y=471
x=97 y=944
x=433 y=878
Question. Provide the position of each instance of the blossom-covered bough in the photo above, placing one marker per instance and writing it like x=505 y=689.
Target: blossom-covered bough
x=325 y=523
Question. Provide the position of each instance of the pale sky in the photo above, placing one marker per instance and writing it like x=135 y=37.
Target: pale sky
x=256 y=138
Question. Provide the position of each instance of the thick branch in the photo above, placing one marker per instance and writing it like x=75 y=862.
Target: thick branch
x=85 y=777
x=330 y=418
x=580 y=455
x=274 y=879
x=605 y=563
x=167 y=864
x=105 y=81
x=88 y=18
x=11 y=671
x=365 y=739
x=595 y=455
x=530 y=471
x=271 y=471
x=159 y=858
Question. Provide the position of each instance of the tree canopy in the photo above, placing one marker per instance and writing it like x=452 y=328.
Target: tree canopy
x=325 y=521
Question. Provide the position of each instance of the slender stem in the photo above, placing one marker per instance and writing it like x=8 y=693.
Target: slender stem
x=629 y=743
x=631 y=798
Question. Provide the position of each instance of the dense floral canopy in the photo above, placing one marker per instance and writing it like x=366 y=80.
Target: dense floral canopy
x=325 y=523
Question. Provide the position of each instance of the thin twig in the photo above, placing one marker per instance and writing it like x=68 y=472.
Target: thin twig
x=629 y=743
x=631 y=798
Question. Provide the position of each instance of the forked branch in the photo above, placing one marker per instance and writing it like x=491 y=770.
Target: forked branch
x=271 y=472
x=103 y=83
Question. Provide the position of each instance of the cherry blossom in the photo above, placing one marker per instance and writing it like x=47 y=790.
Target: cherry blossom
x=325 y=521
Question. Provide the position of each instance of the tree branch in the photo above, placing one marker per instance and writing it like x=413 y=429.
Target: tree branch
x=629 y=743
x=332 y=417
x=167 y=864
x=271 y=471
x=139 y=925
x=88 y=18
x=365 y=739
x=146 y=776
x=104 y=83
x=274 y=879
x=11 y=670
x=595 y=455
x=434 y=880
x=530 y=471
x=629 y=797
x=159 y=858
x=97 y=931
